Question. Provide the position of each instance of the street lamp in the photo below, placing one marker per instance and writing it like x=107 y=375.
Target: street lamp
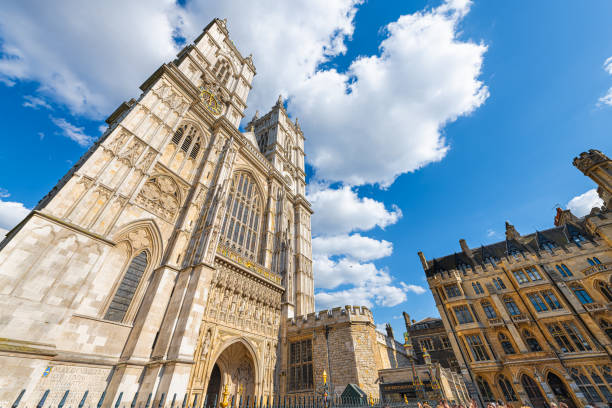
x=416 y=381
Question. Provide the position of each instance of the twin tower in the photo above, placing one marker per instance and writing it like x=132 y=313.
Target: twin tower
x=168 y=256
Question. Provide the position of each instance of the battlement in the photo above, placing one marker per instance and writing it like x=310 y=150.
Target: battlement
x=333 y=316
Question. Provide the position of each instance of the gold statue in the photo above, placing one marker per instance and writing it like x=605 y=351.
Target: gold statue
x=324 y=377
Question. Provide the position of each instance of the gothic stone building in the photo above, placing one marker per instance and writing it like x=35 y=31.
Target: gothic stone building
x=175 y=257
x=529 y=317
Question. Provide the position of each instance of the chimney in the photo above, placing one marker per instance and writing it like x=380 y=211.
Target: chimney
x=406 y=320
x=423 y=261
x=466 y=250
x=389 y=330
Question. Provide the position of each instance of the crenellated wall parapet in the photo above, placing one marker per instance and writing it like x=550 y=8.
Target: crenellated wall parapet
x=337 y=315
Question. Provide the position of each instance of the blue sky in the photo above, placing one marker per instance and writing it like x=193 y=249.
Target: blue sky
x=477 y=112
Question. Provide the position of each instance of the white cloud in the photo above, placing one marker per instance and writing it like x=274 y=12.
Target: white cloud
x=385 y=115
x=355 y=246
x=102 y=128
x=340 y=211
x=35 y=102
x=491 y=233
x=416 y=289
x=80 y=60
x=607 y=98
x=11 y=213
x=4 y=193
x=3 y=233
x=73 y=132
x=581 y=205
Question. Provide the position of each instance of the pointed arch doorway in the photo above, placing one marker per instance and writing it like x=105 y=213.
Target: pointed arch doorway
x=235 y=367
x=560 y=390
x=533 y=392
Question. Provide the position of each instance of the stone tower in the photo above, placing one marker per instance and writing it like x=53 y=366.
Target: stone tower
x=598 y=167
x=166 y=259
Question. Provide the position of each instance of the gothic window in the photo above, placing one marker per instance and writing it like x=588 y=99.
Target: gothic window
x=533 y=273
x=585 y=385
x=506 y=344
x=601 y=385
x=507 y=389
x=551 y=299
x=485 y=390
x=582 y=294
x=593 y=261
x=563 y=332
x=479 y=350
x=242 y=217
x=288 y=150
x=452 y=291
x=477 y=288
x=537 y=302
x=512 y=307
x=606 y=327
x=520 y=276
x=499 y=284
x=564 y=270
x=427 y=344
x=531 y=341
x=488 y=310
x=222 y=70
x=463 y=314
x=184 y=137
x=125 y=292
x=446 y=342
x=300 y=366
x=605 y=290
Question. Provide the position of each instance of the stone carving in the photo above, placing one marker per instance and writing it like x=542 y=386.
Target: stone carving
x=118 y=141
x=139 y=239
x=161 y=195
x=131 y=153
x=589 y=159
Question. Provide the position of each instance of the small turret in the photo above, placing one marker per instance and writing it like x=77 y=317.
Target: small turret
x=511 y=232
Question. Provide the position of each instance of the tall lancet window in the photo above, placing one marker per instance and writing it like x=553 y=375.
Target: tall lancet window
x=243 y=216
x=125 y=292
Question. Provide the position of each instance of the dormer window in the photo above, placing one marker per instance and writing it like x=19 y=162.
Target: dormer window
x=492 y=260
x=516 y=254
x=464 y=268
x=578 y=238
x=549 y=246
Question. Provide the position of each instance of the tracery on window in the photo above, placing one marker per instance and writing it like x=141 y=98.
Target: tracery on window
x=605 y=290
x=185 y=136
x=531 y=341
x=240 y=229
x=125 y=292
x=507 y=390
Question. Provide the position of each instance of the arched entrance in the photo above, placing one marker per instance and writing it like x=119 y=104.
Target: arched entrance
x=213 y=390
x=560 y=390
x=533 y=392
x=235 y=367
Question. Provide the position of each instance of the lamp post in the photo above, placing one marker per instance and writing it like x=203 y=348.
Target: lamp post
x=416 y=381
x=325 y=390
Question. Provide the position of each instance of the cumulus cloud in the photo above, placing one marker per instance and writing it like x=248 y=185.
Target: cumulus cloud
x=385 y=115
x=73 y=132
x=582 y=204
x=607 y=98
x=355 y=246
x=80 y=60
x=339 y=211
x=11 y=213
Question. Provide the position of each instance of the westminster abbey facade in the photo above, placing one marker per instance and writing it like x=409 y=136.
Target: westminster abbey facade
x=174 y=259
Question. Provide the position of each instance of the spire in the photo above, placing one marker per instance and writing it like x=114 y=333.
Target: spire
x=511 y=232
x=389 y=330
x=406 y=320
x=255 y=116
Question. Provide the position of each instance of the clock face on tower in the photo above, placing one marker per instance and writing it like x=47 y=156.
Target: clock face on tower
x=210 y=100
